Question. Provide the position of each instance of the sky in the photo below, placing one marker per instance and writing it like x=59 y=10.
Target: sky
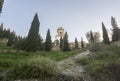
x=76 y=16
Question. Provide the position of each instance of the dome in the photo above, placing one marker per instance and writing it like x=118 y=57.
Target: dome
x=60 y=28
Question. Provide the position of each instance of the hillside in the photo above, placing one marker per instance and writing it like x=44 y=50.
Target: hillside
x=99 y=63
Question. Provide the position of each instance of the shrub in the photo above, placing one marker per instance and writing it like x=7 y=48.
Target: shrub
x=20 y=45
x=105 y=55
x=97 y=66
x=35 y=68
x=5 y=64
x=115 y=49
x=105 y=71
x=113 y=68
x=96 y=47
x=104 y=65
x=83 y=61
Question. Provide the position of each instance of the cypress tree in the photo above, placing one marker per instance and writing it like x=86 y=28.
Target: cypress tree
x=1 y=5
x=105 y=35
x=48 y=42
x=76 y=43
x=11 y=39
x=61 y=43
x=91 y=37
x=115 y=30
x=40 y=44
x=65 y=42
x=82 y=43
x=33 y=35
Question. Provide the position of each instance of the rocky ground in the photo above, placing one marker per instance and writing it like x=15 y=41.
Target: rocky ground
x=71 y=71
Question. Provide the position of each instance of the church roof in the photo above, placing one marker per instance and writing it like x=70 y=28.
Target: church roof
x=60 y=28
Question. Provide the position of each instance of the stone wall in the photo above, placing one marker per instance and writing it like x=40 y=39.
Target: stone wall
x=3 y=41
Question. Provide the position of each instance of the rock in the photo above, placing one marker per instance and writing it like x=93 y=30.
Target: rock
x=70 y=71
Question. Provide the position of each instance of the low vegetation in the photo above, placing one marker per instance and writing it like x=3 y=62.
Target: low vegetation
x=10 y=59
x=31 y=65
x=34 y=68
x=103 y=64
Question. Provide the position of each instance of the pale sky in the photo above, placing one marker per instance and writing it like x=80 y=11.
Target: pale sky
x=76 y=16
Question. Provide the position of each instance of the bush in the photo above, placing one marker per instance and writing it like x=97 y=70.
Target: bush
x=5 y=64
x=96 y=47
x=113 y=69
x=104 y=64
x=105 y=55
x=21 y=44
x=104 y=71
x=83 y=61
x=33 y=69
x=96 y=67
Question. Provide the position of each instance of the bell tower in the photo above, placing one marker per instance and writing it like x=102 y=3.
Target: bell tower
x=60 y=33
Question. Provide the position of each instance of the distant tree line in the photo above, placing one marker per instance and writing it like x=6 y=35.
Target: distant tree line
x=34 y=42
x=10 y=35
x=94 y=37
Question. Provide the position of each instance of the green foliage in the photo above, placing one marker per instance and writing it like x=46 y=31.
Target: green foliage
x=37 y=67
x=21 y=44
x=115 y=30
x=66 y=43
x=96 y=47
x=33 y=35
x=6 y=33
x=61 y=43
x=1 y=5
x=92 y=37
x=113 y=67
x=40 y=44
x=100 y=70
x=76 y=43
x=103 y=64
x=9 y=60
x=82 y=43
x=6 y=64
x=96 y=66
x=48 y=42
x=105 y=35
x=4 y=47
x=106 y=55
x=59 y=55
x=83 y=61
x=27 y=64
x=11 y=39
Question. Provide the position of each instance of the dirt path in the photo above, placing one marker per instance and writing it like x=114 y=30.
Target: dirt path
x=68 y=67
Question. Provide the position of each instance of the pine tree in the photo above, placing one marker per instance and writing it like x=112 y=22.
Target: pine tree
x=76 y=43
x=105 y=35
x=115 y=30
x=65 y=42
x=48 y=42
x=33 y=35
x=61 y=43
x=82 y=43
